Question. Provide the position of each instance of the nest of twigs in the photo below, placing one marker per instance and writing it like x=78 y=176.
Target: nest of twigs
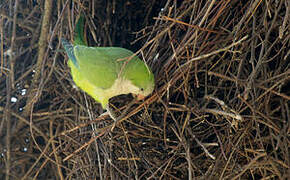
x=220 y=108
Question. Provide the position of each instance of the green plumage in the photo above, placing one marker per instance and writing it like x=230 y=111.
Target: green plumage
x=79 y=32
x=104 y=72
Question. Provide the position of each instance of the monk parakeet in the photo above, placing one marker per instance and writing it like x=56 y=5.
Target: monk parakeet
x=105 y=72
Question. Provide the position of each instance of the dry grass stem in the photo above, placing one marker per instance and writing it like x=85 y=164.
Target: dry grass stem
x=220 y=108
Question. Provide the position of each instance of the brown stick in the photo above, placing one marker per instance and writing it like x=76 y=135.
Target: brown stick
x=33 y=95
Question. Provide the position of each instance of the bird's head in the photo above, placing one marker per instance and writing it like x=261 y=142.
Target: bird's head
x=144 y=86
x=144 y=90
x=141 y=78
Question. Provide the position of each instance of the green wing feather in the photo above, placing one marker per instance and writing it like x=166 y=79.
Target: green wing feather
x=101 y=65
x=69 y=48
x=96 y=69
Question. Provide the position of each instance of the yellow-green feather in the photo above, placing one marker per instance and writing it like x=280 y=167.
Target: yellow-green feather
x=100 y=71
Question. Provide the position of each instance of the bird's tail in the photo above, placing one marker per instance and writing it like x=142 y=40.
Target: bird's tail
x=79 y=38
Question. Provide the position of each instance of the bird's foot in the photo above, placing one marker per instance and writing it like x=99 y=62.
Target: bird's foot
x=112 y=115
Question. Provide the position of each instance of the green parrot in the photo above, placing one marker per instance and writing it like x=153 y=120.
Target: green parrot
x=105 y=72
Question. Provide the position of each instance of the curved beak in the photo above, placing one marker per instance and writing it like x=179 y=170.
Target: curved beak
x=140 y=97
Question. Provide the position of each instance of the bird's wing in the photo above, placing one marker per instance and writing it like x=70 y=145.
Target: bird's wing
x=100 y=65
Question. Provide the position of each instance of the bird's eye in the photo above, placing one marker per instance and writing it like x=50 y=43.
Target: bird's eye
x=142 y=89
